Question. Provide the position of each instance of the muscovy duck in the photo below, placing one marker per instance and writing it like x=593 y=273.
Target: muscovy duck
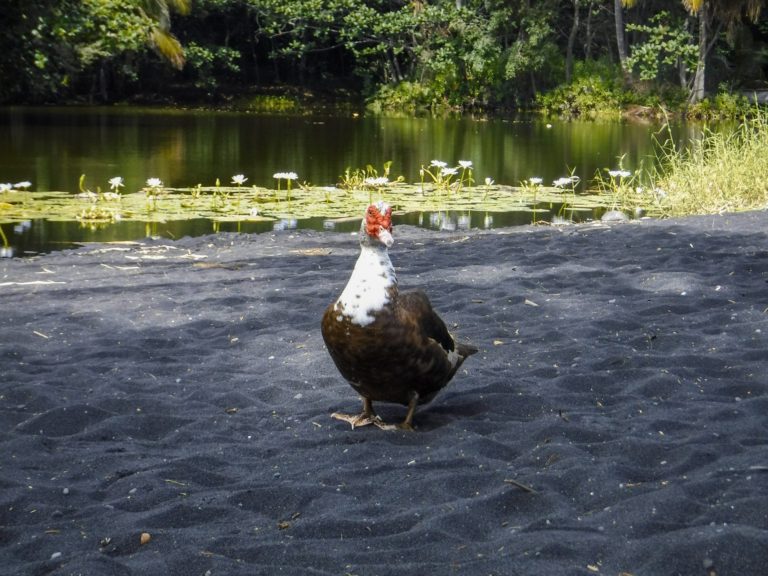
x=390 y=346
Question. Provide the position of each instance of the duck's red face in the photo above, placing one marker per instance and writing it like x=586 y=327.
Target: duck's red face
x=378 y=223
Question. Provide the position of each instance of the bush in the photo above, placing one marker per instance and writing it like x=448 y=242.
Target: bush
x=406 y=97
x=208 y=65
x=595 y=91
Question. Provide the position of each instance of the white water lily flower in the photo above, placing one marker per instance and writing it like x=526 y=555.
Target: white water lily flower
x=154 y=182
x=5 y=187
x=449 y=171
x=438 y=164
x=488 y=181
x=22 y=185
x=278 y=175
x=466 y=164
x=239 y=179
x=561 y=182
x=619 y=173
x=290 y=176
x=380 y=181
x=116 y=183
x=535 y=181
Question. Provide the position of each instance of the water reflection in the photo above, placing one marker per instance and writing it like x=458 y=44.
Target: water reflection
x=52 y=147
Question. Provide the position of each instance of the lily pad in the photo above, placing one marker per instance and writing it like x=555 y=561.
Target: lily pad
x=253 y=204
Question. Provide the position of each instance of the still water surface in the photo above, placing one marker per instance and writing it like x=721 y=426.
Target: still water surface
x=52 y=147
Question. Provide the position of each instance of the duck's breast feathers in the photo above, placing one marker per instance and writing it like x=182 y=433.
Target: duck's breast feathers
x=370 y=288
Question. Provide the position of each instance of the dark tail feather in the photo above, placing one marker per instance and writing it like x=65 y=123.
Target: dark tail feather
x=465 y=350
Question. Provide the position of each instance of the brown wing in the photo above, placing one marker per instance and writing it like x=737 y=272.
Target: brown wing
x=416 y=304
x=406 y=349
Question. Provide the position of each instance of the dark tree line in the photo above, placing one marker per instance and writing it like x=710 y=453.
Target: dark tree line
x=458 y=54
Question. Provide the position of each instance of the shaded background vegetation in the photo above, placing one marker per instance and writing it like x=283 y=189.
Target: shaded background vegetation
x=574 y=57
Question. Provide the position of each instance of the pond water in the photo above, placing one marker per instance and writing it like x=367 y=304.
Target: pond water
x=53 y=147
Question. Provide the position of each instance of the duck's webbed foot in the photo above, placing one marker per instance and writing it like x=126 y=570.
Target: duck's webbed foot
x=406 y=424
x=379 y=423
x=366 y=417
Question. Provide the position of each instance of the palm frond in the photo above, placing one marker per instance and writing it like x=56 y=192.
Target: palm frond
x=168 y=47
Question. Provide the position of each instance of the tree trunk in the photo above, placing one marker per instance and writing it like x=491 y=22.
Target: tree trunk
x=103 y=84
x=698 y=89
x=588 y=34
x=621 y=43
x=397 y=75
x=571 y=42
x=682 y=68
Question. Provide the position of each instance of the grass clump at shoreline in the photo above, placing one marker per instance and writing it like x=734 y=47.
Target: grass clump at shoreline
x=721 y=172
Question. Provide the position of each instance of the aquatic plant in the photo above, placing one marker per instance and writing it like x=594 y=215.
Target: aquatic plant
x=96 y=213
x=568 y=183
x=375 y=183
x=116 y=183
x=465 y=178
x=360 y=178
x=154 y=187
x=239 y=179
x=329 y=191
x=6 y=250
x=531 y=187
x=230 y=203
x=441 y=174
x=488 y=183
x=8 y=187
x=288 y=177
x=218 y=197
x=621 y=186
x=236 y=202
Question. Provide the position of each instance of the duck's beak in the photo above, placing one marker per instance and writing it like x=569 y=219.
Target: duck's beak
x=385 y=237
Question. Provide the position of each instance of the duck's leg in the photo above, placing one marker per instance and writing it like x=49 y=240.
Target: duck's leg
x=367 y=416
x=406 y=424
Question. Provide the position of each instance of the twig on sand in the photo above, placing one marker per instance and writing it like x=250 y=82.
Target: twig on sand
x=523 y=487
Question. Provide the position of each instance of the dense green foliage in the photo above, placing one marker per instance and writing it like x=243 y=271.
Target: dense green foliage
x=404 y=55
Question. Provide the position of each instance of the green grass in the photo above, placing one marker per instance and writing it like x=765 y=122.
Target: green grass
x=721 y=172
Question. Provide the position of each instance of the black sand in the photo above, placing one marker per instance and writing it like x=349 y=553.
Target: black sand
x=615 y=420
